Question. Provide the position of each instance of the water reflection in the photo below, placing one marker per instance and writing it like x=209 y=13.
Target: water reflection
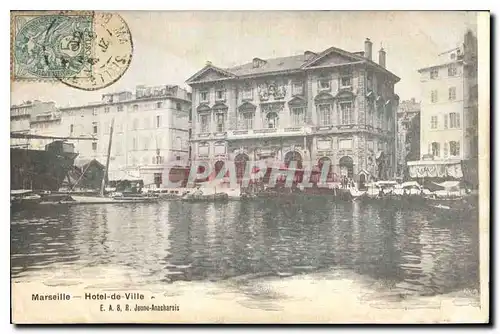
x=421 y=252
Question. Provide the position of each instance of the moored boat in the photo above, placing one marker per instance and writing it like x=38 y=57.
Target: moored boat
x=24 y=199
x=357 y=194
x=200 y=197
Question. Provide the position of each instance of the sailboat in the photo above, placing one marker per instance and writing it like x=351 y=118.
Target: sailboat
x=114 y=198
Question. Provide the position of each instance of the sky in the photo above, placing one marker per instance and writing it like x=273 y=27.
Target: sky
x=170 y=46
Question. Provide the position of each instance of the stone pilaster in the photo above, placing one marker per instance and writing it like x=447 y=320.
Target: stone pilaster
x=309 y=98
x=232 y=103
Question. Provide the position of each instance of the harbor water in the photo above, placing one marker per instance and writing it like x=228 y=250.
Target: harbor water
x=416 y=250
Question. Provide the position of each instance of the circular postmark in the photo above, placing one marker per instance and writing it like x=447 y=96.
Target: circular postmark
x=111 y=50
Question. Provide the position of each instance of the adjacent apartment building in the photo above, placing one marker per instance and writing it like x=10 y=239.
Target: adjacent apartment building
x=332 y=106
x=449 y=112
x=34 y=118
x=150 y=131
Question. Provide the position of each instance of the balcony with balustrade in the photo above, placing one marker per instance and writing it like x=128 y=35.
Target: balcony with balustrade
x=268 y=132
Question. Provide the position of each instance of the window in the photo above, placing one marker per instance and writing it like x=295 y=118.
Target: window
x=220 y=95
x=434 y=122
x=345 y=81
x=325 y=114
x=454 y=120
x=94 y=111
x=247 y=121
x=371 y=111
x=145 y=142
x=324 y=84
x=178 y=143
x=178 y=106
x=298 y=116
x=452 y=93
x=94 y=146
x=157 y=160
x=106 y=110
x=247 y=92
x=297 y=88
x=452 y=70
x=346 y=112
x=119 y=108
x=71 y=128
x=272 y=120
x=177 y=158
x=94 y=126
x=220 y=119
x=158 y=179
x=369 y=144
x=454 y=148
x=158 y=121
x=135 y=124
x=435 y=149
x=159 y=104
x=134 y=143
x=205 y=123
x=135 y=107
x=345 y=144
x=369 y=80
x=204 y=96
x=434 y=96
x=434 y=74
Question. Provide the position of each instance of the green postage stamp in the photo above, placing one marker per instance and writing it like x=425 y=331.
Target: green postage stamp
x=52 y=45
x=84 y=50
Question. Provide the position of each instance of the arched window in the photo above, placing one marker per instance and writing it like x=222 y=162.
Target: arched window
x=325 y=114
x=272 y=120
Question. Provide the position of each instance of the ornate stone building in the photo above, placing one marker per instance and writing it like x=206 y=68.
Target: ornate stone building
x=333 y=106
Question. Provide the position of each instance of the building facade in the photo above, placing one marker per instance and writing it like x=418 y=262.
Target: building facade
x=449 y=109
x=334 y=106
x=150 y=130
x=407 y=137
x=34 y=118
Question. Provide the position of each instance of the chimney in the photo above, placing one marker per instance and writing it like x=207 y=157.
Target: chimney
x=368 y=49
x=381 y=57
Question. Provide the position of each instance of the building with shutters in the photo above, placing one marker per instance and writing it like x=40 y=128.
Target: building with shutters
x=331 y=106
x=449 y=112
x=151 y=131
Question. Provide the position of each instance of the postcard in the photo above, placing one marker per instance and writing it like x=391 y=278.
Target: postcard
x=250 y=167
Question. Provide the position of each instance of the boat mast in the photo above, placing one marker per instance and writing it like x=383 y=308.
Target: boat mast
x=105 y=176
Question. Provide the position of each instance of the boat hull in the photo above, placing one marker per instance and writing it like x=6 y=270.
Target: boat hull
x=110 y=200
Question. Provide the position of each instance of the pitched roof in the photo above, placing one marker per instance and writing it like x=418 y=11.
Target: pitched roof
x=271 y=65
x=283 y=64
